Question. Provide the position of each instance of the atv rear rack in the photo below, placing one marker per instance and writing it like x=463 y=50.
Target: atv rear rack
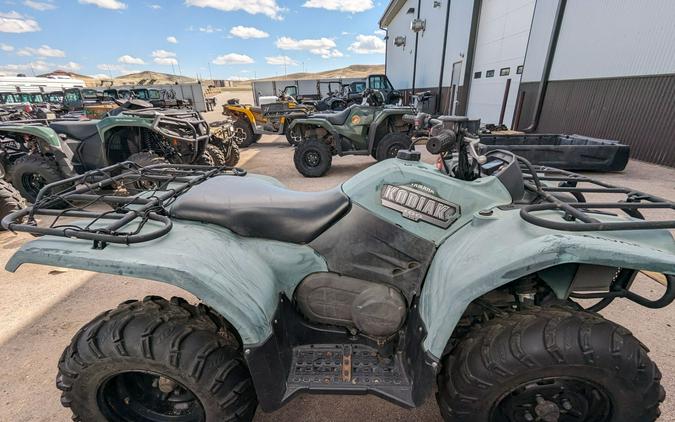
x=579 y=216
x=150 y=190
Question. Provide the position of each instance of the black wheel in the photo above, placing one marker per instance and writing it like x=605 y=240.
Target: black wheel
x=156 y=360
x=144 y=159
x=294 y=137
x=216 y=154
x=10 y=200
x=257 y=137
x=229 y=149
x=549 y=364
x=390 y=144
x=312 y=158
x=243 y=133
x=206 y=159
x=31 y=173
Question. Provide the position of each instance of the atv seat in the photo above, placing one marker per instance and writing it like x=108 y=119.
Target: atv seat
x=338 y=118
x=76 y=129
x=255 y=207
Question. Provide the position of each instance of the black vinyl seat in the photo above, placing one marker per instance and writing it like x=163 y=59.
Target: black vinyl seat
x=338 y=118
x=254 y=207
x=76 y=129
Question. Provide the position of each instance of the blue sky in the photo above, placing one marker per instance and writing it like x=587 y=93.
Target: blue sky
x=235 y=38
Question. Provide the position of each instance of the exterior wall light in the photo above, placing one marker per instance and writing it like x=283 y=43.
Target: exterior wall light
x=399 y=41
x=418 y=25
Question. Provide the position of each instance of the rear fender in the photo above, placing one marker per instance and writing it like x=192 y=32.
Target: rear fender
x=316 y=122
x=241 y=278
x=381 y=119
x=50 y=143
x=494 y=250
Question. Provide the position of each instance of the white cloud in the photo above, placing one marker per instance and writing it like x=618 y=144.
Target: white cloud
x=155 y=6
x=368 y=44
x=247 y=32
x=6 y=47
x=324 y=47
x=106 y=4
x=117 y=68
x=127 y=59
x=238 y=78
x=17 y=23
x=164 y=57
x=352 y=6
x=42 y=51
x=172 y=40
x=70 y=66
x=281 y=60
x=233 y=58
x=209 y=29
x=38 y=5
x=380 y=32
x=268 y=8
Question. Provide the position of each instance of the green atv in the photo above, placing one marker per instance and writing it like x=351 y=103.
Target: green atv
x=479 y=282
x=370 y=128
x=34 y=154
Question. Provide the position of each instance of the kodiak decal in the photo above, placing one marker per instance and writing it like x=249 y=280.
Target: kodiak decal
x=418 y=202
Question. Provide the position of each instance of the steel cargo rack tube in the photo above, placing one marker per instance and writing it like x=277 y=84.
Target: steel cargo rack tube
x=81 y=193
x=579 y=216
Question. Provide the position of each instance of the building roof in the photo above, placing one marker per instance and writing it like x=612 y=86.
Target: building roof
x=390 y=12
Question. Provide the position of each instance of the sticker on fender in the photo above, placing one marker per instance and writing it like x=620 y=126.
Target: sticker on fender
x=419 y=203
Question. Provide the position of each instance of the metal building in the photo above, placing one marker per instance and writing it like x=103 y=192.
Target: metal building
x=601 y=68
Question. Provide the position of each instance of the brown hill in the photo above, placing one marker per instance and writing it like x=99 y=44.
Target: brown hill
x=64 y=73
x=353 y=71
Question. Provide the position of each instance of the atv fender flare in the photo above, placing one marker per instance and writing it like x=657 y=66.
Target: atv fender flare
x=372 y=130
x=475 y=261
x=317 y=122
x=51 y=143
x=240 y=278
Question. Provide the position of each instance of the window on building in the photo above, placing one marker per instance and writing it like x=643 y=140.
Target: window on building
x=505 y=71
x=519 y=69
x=477 y=75
x=489 y=73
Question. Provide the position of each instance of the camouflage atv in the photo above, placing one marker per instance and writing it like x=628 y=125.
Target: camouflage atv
x=479 y=281
x=36 y=153
x=370 y=128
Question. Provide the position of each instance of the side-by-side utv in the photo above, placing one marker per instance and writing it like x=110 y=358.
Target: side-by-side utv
x=480 y=280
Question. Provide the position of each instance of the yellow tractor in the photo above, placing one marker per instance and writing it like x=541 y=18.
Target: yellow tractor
x=251 y=122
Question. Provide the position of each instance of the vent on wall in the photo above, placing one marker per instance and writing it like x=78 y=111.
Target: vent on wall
x=418 y=25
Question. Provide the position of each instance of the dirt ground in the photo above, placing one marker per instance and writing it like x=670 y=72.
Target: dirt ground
x=42 y=307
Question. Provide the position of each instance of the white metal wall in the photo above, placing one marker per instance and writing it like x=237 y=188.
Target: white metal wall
x=501 y=42
x=611 y=38
x=400 y=59
x=540 y=37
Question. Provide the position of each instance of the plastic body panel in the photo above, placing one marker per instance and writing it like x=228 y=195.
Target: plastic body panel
x=241 y=278
x=567 y=152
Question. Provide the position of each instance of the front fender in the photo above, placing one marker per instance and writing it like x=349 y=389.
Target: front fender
x=47 y=135
x=494 y=250
x=241 y=278
x=314 y=122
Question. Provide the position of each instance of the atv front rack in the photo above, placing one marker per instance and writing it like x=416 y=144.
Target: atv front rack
x=102 y=213
x=550 y=184
x=186 y=126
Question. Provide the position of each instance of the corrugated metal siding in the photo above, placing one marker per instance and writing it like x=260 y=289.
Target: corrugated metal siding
x=638 y=111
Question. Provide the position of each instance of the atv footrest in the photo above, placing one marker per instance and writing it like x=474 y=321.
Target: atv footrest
x=347 y=368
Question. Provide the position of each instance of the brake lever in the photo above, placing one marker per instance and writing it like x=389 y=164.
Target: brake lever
x=472 y=142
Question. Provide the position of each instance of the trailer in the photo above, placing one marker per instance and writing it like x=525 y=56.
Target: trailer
x=192 y=93
x=303 y=90
x=25 y=84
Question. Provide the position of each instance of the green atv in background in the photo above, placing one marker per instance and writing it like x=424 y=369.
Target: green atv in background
x=40 y=152
x=370 y=128
x=478 y=283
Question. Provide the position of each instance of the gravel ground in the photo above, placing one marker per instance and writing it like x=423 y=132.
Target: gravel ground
x=42 y=307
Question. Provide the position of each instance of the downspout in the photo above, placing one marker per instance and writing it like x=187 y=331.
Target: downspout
x=445 y=43
x=468 y=69
x=548 y=63
x=417 y=39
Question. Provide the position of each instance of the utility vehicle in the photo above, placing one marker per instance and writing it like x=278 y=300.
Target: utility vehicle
x=404 y=277
x=38 y=152
x=370 y=128
x=251 y=122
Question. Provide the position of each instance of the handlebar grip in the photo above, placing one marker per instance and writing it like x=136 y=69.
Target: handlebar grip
x=441 y=142
x=408 y=118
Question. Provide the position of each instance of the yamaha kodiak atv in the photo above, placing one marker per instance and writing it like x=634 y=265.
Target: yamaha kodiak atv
x=36 y=153
x=405 y=279
x=371 y=128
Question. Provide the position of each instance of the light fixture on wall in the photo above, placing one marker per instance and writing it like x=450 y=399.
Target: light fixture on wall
x=399 y=41
x=437 y=3
x=418 y=25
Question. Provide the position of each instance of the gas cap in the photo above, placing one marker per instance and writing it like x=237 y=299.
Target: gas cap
x=408 y=155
